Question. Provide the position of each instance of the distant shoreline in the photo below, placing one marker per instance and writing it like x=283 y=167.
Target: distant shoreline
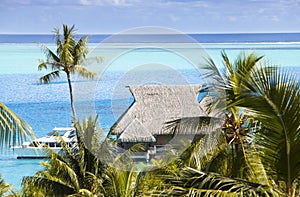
x=162 y=38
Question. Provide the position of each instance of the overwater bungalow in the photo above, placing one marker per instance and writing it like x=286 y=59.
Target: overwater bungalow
x=145 y=120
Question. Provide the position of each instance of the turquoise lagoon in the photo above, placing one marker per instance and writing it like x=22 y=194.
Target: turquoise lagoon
x=47 y=106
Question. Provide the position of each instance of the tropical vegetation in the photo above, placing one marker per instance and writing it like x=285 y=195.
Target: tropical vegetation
x=68 y=58
x=3 y=187
x=252 y=153
x=69 y=173
x=13 y=131
x=81 y=172
x=252 y=150
x=256 y=154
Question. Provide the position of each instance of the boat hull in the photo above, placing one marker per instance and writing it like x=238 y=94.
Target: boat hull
x=34 y=152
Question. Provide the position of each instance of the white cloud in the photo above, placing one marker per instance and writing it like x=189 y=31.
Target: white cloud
x=186 y=15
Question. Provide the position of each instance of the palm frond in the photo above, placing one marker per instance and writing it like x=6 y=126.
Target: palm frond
x=42 y=65
x=47 y=78
x=194 y=125
x=256 y=170
x=198 y=183
x=97 y=183
x=59 y=169
x=245 y=64
x=65 y=171
x=83 y=192
x=205 y=192
x=46 y=186
x=51 y=56
x=213 y=72
x=54 y=65
x=277 y=106
x=93 y=60
x=80 y=50
x=57 y=38
x=88 y=137
x=74 y=161
x=13 y=130
x=75 y=168
x=207 y=153
x=120 y=182
x=233 y=76
x=65 y=50
x=229 y=68
x=82 y=71
x=4 y=188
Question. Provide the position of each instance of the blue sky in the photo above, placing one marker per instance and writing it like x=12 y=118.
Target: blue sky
x=188 y=16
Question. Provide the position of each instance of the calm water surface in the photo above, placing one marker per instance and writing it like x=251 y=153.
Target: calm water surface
x=47 y=106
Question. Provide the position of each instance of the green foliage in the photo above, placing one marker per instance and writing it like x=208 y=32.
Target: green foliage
x=234 y=165
x=72 y=171
x=13 y=130
x=7 y=190
x=230 y=157
x=120 y=182
x=3 y=187
x=192 y=182
x=79 y=172
x=68 y=58
x=276 y=97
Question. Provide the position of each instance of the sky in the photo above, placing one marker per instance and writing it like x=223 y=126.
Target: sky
x=113 y=16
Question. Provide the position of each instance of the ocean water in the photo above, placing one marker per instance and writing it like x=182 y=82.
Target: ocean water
x=47 y=106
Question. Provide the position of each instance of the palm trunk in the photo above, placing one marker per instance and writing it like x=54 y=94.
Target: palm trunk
x=71 y=96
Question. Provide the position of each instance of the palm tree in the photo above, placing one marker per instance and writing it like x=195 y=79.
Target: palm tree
x=271 y=96
x=231 y=81
x=73 y=172
x=13 y=130
x=81 y=173
x=68 y=58
x=211 y=156
x=275 y=102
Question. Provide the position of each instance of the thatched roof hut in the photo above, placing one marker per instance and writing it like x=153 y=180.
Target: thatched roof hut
x=136 y=132
x=154 y=105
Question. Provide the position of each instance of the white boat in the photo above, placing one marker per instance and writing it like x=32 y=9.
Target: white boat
x=40 y=148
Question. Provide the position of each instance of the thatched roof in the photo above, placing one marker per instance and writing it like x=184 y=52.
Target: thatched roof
x=136 y=132
x=155 y=105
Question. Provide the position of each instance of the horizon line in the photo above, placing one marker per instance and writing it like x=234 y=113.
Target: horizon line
x=279 y=32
